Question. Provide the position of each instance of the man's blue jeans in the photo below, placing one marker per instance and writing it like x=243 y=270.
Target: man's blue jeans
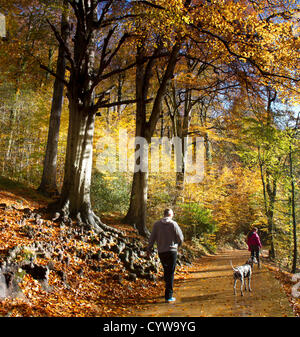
x=168 y=260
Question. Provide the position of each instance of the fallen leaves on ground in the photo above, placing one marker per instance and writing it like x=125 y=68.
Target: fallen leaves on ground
x=86 y=291
x=286 y=280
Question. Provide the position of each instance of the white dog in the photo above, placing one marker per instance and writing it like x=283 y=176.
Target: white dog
x=243 y=272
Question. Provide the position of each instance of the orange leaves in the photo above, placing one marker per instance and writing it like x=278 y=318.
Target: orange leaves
x=84 y=286
x=31 y=288
x=285 y=279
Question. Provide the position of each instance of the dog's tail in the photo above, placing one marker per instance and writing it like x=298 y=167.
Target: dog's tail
x=232 y=266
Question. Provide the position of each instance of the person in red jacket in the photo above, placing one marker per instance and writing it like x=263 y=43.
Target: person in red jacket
x=254 y=244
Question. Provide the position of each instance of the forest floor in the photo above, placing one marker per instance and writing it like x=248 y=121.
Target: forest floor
x=83 y=286
x=102 y=288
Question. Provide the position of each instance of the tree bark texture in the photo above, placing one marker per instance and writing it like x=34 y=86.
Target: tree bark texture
x=293 y=206
x=48 y=184
x=136 y=214
x=75 y=200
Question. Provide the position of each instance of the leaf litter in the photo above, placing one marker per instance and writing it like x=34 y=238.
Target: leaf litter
x=81 y=287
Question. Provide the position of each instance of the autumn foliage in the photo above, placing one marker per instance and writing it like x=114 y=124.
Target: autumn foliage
x=225 y=72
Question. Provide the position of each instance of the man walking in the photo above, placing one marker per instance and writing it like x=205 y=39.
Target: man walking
x=168 y=236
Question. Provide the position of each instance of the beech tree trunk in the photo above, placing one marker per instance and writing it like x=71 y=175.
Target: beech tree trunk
x=293 y=206
x=183 y=125
x=137 y=211
x=75 y=200
x=208 y=157
x=48 y=184
x=271 y=182
x=271 y=191
x=136 y=214
x=75 y=196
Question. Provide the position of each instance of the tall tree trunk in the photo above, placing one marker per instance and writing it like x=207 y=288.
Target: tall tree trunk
x=181 y=155
x=85 y=77
x=75 y=195
x=183 y=126
x=121 y=79
x=75 y=200
x=271 y=188
x=48 y=184
x=208 y=156
x=50 y=59
x=136 y=214
x=12 y=122
x=293 y=207
x=269 y=194
x=262 y=176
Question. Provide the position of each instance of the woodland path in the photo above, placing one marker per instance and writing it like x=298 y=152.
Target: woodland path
x=210 y=293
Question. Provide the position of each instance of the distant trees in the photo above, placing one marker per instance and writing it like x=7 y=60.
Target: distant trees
x=246 y=50
x=268 y=142
x=23 y=89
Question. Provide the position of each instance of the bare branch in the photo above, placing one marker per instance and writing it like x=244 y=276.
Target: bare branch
x=249 y=59
x=121 y=41
x=104 y=47
x=110 y=21
x=63 y=44
x=104 y=11
x=128 y=101
x=150 y=4
x=42 y=66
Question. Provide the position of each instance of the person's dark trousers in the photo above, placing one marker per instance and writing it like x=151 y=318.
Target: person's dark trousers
x=168 y=260
x=255 y=252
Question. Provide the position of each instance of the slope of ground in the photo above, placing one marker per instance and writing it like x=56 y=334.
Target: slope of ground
x=80 y=281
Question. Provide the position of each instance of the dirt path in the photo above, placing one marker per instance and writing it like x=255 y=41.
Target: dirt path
x=210 y=293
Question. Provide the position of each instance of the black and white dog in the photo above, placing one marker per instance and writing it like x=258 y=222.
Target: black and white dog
x=242 y=273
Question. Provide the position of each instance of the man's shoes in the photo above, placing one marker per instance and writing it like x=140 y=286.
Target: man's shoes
x=170 y=300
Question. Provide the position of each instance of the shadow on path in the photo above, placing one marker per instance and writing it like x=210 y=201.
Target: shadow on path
x=210 y=293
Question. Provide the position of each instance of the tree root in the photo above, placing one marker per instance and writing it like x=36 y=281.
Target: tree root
x=136 y=224
x=85 y=218
x=91 y=220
